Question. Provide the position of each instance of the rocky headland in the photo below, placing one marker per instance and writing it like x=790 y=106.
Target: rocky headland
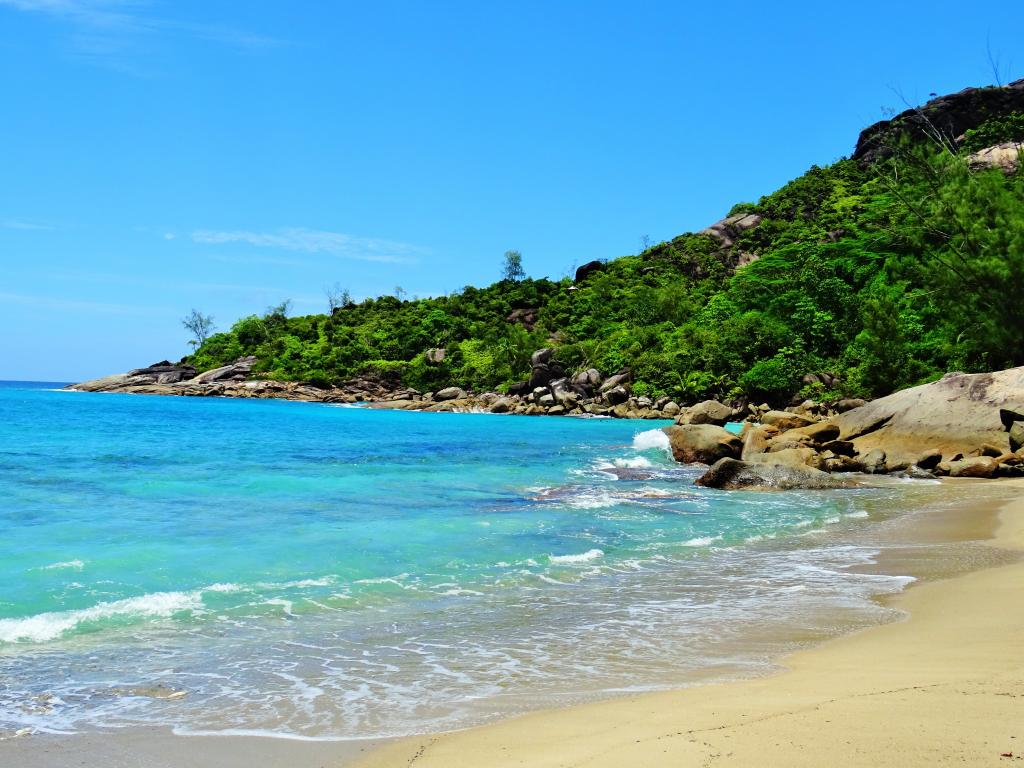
x=963 y=425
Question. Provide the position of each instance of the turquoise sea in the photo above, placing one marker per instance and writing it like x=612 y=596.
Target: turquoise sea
x=318 y=571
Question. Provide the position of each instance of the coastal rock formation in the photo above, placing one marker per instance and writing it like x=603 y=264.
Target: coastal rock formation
x=162 y=373
x=706 y=412
x=964 y=425
x=946 y=117
x=731 y=474
x=450 y=393
x=703 y=443
x=237 y=371
x=958 y=414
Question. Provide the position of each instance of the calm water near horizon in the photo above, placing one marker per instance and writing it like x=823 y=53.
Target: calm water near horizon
x=334 y=572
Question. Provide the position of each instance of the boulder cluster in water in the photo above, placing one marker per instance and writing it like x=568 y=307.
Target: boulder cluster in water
x=964 y=425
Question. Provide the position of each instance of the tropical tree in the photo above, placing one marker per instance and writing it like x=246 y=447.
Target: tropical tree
x=199 y=325
x=512 y=267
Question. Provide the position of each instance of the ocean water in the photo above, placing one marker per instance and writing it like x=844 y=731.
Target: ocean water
x=316 y=571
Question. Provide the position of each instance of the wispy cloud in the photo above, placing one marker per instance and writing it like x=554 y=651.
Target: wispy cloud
x=57 y=303
x=317 y=241
x=34 y=226
x=109 y=31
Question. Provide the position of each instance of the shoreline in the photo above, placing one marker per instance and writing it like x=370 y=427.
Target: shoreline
x=939 y=686
x=638 y=727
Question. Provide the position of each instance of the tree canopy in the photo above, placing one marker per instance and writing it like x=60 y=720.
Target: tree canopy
x=878 y=276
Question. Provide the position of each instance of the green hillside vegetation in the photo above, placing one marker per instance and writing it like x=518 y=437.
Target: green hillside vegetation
x=881 y=275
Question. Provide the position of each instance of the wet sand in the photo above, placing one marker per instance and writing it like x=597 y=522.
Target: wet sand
x=945 y=686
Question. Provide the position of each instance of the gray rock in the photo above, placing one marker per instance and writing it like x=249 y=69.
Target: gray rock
x=241 y=368
x=842 y=406
x=618 y=379
x=542 y=356
x=616 y=395
x=732 y=474
x=450 y=393
x=1016 y=434
x=588 y=380
x=874 y=462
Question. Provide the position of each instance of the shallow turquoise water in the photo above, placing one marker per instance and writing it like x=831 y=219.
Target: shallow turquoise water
x=323 y=571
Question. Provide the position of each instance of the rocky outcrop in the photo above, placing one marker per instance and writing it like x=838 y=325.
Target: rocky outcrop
x=559 y=395
x=237 y=371
x=164 y=372
x=159 y=374
x=726 y=231
x=731 y=474
x=946 y=118
x=706 y=412
x=450 y=393
x=702 y=443
x=585 y=271
x=526 y=317
x=964 y=425
x=959 y=414
x=436 y=355
x=1006 y=157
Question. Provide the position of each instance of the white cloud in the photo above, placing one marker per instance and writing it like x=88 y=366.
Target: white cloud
x=168 y=235
x=317 y=241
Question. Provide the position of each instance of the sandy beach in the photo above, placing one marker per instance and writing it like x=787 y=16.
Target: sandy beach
x=943 y=687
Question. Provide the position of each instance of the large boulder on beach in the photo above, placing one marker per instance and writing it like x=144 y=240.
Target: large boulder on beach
x=785 y=421
x=703 y=443
x=731 y=474
x=980 y=466
x=958 y=414
x=450 y=393
x=796 y=456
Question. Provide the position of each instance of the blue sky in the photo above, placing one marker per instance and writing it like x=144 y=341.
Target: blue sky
x=159 y=156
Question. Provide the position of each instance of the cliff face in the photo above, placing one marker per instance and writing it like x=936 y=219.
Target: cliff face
x=949 y=115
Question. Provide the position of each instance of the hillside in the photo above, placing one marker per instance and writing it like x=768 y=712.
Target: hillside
x=877 y=272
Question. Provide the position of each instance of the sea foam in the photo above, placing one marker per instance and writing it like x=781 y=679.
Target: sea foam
x=70 y=564
x=650 y=439
x=44 y=627
x=585 y=557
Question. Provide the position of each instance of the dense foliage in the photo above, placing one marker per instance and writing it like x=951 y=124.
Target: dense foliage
x=882 y=276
